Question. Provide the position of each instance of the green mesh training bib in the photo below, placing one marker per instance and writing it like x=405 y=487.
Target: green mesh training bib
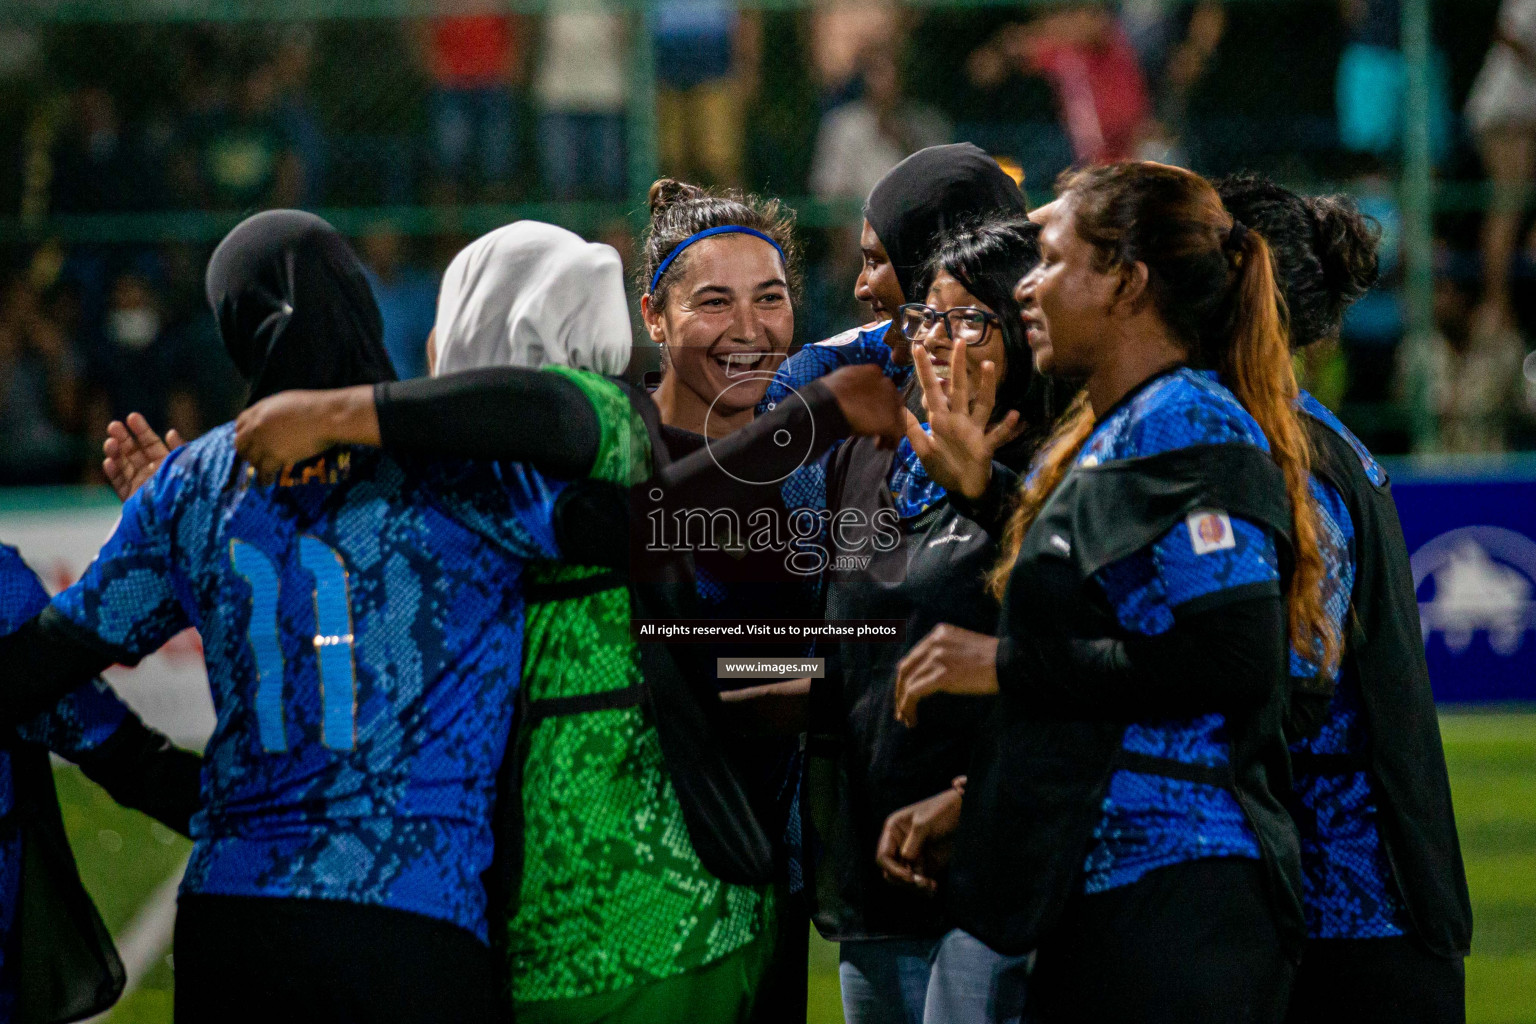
x=612 y=894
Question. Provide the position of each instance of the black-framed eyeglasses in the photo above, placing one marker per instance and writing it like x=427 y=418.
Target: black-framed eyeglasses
x=962 y=323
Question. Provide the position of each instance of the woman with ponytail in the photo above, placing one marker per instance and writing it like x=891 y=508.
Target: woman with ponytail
x=1385 y=892
x=1121 y=816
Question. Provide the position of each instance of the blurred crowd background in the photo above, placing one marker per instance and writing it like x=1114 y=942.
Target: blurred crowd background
x=127 y=147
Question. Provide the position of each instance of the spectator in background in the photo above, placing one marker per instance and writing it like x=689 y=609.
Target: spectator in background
x=841 y=34
x=582 y=88
x=1373 y=327
x=244 y=157
x=1087 y=58
x=1470 y=378
x=477 y=66
x=707 y=64
x=407 y=298
x=861 y=140
x=1174 y=43
x=293 y=64
x=97 y=165
x=133 y=364
x=1373 y=81
x=1502 y=111
x=39 y=392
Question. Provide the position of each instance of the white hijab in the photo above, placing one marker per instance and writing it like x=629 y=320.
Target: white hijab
x=531 y=294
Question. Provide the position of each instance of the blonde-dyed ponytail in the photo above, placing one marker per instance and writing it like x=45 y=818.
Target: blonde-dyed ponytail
x=1259 y=371
x=1056 y=457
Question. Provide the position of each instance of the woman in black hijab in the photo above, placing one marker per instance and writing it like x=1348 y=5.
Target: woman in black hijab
x=322 y=883
x=293 y=306
x=928 y=194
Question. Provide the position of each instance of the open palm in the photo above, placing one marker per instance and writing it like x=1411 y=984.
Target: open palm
x=958 y=446
x=133 y=452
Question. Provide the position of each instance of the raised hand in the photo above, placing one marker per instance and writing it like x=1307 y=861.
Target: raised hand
x=958 y=446
x=869 y=402
x=914 y=845
x=292 y=426
x=133 y=452
x=948 y=660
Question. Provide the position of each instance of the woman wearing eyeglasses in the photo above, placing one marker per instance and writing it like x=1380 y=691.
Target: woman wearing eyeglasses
x=924 y=563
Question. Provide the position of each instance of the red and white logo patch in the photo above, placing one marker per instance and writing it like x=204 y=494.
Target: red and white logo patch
x=1210 y=530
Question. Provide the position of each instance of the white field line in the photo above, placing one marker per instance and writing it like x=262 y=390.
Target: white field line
x=148 y=936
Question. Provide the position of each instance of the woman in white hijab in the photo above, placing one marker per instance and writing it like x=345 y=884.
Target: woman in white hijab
x=613 y=916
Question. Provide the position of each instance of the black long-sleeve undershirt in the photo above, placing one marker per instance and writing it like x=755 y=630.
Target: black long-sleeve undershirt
x=47 y=659
x=141 y=768
x=520 y=415
x=992 y=510
x=1228 y=659
x=43 y=661
x=596 y=521
x=499 y=413
x=487 y=414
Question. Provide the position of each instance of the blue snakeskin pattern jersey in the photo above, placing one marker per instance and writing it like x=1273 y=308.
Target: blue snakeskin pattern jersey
x=913 y=491
x=1150 y=821
x=78 y=724
x=362 y=625
x=1348 y=892
x=857 y=347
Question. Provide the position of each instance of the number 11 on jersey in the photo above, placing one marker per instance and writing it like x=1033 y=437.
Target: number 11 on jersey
x=333 y=642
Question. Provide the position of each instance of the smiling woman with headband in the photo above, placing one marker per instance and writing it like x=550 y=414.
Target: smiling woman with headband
x=717 y=281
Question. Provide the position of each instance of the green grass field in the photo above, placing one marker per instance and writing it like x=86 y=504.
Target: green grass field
x=124 y=858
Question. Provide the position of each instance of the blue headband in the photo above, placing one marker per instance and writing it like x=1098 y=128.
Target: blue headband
x=724 y=229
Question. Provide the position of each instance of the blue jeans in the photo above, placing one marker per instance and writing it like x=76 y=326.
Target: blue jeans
x=970 y=982
x=482 y=119
x=953 y=980
x=581 y=154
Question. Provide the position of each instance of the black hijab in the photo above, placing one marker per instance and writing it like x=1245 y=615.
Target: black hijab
x=930 y=192
x=293 y=306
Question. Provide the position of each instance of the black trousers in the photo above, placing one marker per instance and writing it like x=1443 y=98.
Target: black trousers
x=1377 y=981
x=782 y=999
x=288 y=961
x=1193 y=943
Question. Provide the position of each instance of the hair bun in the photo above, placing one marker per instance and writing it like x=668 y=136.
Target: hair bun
x=1347 y=244
x=667 y=192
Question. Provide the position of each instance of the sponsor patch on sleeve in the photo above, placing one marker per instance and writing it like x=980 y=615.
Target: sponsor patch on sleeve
x=1210 y=530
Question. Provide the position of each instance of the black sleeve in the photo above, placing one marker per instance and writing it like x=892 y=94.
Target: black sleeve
x=501 y=413
x=992 y=510
x=1229 y=658
x=45 y=660
x=733 y=470
x=140 y=768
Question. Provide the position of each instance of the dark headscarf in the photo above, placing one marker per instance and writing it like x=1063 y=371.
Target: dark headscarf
x=930 y=192
x=293 y=306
